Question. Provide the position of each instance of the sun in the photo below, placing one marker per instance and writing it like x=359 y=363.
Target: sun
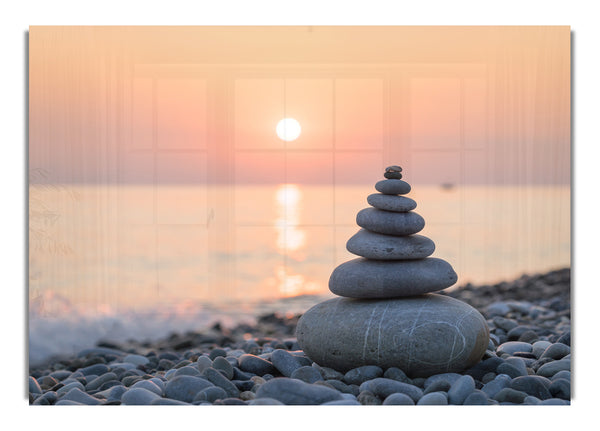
x=288 y=129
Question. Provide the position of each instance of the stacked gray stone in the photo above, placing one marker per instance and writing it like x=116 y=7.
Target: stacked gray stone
x=385 y=314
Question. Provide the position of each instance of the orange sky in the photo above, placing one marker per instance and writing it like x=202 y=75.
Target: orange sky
x=485 y=105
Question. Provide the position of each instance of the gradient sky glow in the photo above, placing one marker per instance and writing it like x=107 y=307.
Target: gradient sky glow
x=153 y=105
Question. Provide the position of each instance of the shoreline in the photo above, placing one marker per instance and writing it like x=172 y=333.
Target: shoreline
x=533 y=309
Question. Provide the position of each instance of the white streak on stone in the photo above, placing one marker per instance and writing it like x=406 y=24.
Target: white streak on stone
x=379 y=330
x=413 y=329
x=367 y=332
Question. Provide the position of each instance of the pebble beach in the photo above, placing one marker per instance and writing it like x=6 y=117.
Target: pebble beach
x=527 y=362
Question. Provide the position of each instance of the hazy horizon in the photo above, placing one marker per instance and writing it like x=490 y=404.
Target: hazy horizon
x=200 y=105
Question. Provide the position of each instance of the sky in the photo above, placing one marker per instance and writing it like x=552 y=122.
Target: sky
x=200 y=105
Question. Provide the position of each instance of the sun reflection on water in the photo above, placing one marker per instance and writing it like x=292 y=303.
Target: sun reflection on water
x=289 y=236
x=291 y=240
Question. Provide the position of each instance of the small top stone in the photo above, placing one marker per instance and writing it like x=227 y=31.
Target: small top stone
x=393 y=168
x=393 y=172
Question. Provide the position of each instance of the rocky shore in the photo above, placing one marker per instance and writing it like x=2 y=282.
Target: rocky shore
x=527 y=361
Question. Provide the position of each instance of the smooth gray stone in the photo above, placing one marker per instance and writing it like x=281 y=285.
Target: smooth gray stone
x=504 y=323
x=365 y=278
x=383 y=388
x=511 y=347
x=510 y=370
x=138 y=397
x=536 y=386
x=374 y=245
x=223 y=365
x=564 y=374
x=476 y=398
x=100 y=380
x=296 y=392
x=390 y=223
x=60 y=375
x=115 y=393
x=218 y=379
x=438 y=386
x=531 y=401
x=433 y=399
x=450 y=378
x=393 y=175
x=358 y=376
x=510 y=395
x=203 y=363
x=341 y=386
x=518 y=363
x=551 y=368
x=397 y=374
x=556 y=351
x=399 y=204
x=34 y=386
x=398 y=399
x=329 y=373
x=79 y=396
x=148 y=385
x=47 y=382
x=66 y=388
x=368 y=398
x=393 y=168
x=392 y=187
x=285 y=362
x=96 y=369
x=185 y=388
x=421 y=335
x=560 y=388
x=47 y=399
x=500 y=382
x=158 y=382
x=254 y=364
x=211 y=394
x=461 y=389
x=307 y=374
x=188 y=370
x=540 y=347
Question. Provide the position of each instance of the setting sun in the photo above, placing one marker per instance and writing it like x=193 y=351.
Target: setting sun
x=288 y=129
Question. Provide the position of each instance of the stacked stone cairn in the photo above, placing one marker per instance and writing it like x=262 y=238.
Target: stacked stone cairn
x=385 y=313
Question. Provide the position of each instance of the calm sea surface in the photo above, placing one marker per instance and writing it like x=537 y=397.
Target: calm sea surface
x=129 y=260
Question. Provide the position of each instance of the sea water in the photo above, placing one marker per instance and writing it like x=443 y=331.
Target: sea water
x=141 y=261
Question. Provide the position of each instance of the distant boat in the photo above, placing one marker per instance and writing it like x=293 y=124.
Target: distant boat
x=447 y=186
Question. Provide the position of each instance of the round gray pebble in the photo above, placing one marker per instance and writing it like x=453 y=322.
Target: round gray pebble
x=359 y=375
x=185 y=388
x=138 y=396
x=433 y=399
x=398 y=399
x=307 y=374
x=461 y=389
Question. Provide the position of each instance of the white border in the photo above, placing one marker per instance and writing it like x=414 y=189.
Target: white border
x=19 y=15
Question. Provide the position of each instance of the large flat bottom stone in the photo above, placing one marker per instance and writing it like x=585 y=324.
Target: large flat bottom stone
x=422 y=335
